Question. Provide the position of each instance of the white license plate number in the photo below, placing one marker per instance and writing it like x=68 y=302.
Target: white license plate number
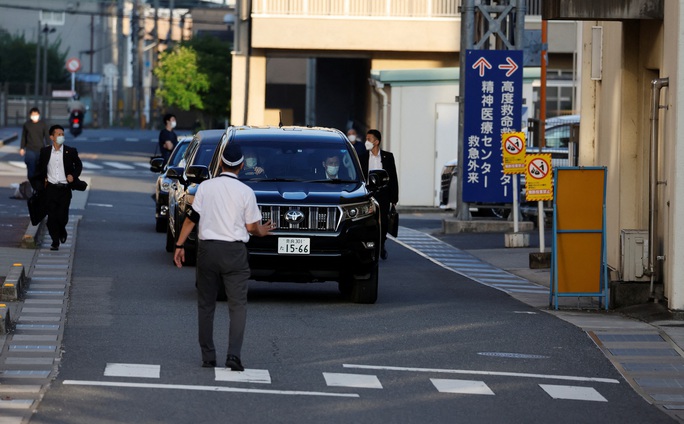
x=294 y=246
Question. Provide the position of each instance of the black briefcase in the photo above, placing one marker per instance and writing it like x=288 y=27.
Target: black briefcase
x=37 y=208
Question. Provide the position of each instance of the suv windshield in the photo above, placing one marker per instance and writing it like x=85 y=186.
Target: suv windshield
x=305 y=161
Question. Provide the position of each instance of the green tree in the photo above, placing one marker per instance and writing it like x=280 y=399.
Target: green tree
x=18 y=61
x=214 y=59
x=181 y=83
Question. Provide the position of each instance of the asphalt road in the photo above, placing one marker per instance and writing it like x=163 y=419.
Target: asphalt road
x=436 y=347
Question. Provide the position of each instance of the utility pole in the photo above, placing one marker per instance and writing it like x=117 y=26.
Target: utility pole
x=121 y=59
x=503 y=21
x=37 y=76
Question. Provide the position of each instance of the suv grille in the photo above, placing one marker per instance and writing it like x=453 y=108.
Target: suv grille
x=302 y=218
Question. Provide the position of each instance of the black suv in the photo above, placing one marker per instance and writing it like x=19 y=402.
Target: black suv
x=201 y=151
x=327 y=228
x=161 y=188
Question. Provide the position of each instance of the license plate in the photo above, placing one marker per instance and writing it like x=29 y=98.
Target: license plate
x=294 y=246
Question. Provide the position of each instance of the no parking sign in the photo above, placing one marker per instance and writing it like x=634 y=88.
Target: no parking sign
x=538 y=177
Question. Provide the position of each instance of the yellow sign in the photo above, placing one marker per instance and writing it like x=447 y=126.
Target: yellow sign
x=538 y=177
x=513 y=153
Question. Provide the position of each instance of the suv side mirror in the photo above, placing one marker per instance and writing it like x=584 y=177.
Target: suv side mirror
x=156 y=165
x=197 y=173
x=175 y=173
x=377 y=179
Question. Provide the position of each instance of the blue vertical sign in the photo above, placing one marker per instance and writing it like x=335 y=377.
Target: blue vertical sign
x=493 y=106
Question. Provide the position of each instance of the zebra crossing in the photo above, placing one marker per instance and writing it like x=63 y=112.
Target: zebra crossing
x=351 y=380
x=98 y=166
x=465 y=264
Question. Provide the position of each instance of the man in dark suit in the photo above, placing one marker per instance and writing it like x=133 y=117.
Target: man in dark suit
x=58 y=169
x=375 y=158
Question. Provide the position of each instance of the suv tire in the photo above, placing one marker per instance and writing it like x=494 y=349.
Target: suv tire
x=364 y=290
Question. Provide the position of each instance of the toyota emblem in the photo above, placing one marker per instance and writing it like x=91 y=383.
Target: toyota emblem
x=294 y=216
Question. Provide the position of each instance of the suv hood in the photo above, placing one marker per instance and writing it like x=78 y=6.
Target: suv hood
x=310 y=193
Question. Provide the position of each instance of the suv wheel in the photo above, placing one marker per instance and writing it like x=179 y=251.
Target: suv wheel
x=364 y=290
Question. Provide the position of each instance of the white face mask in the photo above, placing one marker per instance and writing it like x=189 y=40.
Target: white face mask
x=60 y=139
x=250 y=162
x=173 y=124
x=332 y=170
x=352 y=138
x=35 y=118
x=369 y=145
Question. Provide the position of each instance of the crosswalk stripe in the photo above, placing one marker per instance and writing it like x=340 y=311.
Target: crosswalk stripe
x=90 y=165
x=363 y=381
x=246 y=376
x=573 y=393
x=119 y=165
x=17 y=164
x=142 y=164
x=467 y=387
x=132 y=370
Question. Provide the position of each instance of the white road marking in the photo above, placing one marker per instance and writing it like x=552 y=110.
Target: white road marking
x=204 y=388
x=132 y=370
x=132 y=139
x=352 y=380
x=17 y=164
x=16 y=404
x=466 y=387
x=142 y=164
x=573 y=393
x=246 y=376
x=90 y=165
x=477 y=372
x=119 y=165
x=102 y=205
x=525 y=312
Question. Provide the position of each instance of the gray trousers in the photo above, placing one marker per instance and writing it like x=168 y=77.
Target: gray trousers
x=221 y=265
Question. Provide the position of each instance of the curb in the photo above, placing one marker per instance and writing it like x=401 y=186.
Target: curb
x=28 y=241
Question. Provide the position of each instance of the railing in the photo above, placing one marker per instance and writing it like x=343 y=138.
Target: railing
x=375 y=8
x=357 y=8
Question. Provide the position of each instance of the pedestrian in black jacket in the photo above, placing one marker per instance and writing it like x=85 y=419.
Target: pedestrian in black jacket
x=34 y=136
x=58 y=168
x=374 y=158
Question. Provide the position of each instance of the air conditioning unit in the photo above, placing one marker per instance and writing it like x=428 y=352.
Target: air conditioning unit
x=635 y=250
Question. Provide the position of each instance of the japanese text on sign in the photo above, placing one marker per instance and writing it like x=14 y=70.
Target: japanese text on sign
x=493 y=106
x=538 y=177
x=513 y=153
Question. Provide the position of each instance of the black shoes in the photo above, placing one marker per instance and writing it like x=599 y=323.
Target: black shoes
x=63 y=237
x=383 y=254
x=54 y=246
x=208 y=364
x=233 y=362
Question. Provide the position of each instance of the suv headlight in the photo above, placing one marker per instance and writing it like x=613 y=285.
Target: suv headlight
x=358 y=210
x=166 y=184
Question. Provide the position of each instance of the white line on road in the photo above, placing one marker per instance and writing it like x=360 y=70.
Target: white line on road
x=204 y=388
x=119 y=165
x=90 y=165
x=103 y=205
x=573 y=393
x=18 y=164
x=476 y=372
x=132 y=370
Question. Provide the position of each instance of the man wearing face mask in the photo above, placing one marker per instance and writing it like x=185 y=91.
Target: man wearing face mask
x=374 y=158
x=34 y=136
x=58 y=168
x=331 y=164
x=251 y=168
x=167 y=137
x=354 y=138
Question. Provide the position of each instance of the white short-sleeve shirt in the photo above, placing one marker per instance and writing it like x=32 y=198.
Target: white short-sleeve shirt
x=225 y=206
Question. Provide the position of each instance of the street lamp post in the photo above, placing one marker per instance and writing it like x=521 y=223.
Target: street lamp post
x=47 y=31
x=37 y=76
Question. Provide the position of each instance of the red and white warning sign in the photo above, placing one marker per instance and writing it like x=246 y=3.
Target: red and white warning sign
x=73 y=64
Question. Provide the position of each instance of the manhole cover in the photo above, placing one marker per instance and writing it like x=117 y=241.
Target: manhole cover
x=512 y=355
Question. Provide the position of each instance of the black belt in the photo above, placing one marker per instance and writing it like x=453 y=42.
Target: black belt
x=60 y=185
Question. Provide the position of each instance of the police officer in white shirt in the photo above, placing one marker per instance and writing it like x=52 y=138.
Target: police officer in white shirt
x=226 y=213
